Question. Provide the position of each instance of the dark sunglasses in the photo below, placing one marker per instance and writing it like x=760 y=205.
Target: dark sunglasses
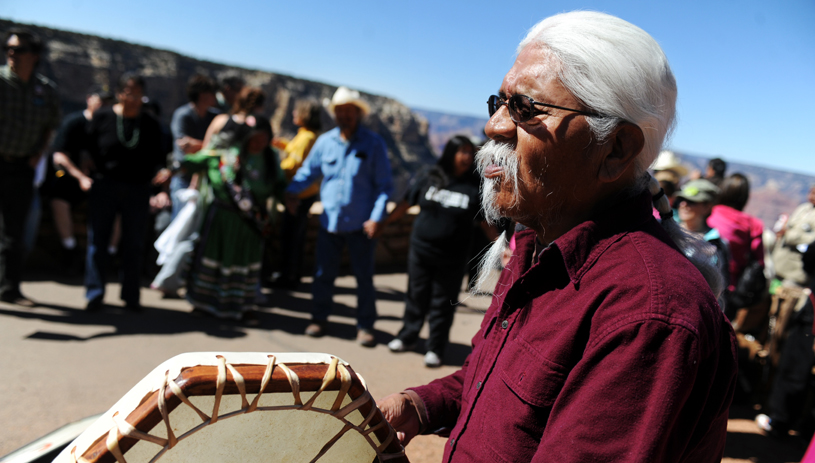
x=688 y=201
x=17 y=49
x=522 y=108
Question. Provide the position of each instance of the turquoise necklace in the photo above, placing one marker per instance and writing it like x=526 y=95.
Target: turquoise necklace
x=120 y=132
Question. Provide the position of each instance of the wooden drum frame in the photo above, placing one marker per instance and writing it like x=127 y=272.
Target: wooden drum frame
x=175 y=414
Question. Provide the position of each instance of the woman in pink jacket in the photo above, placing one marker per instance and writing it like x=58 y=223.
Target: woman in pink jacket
x=742 y=232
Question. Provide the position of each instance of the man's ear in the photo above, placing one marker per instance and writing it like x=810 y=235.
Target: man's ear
x=623 y=145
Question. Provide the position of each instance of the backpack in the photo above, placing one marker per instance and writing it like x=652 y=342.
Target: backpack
x=750 y=287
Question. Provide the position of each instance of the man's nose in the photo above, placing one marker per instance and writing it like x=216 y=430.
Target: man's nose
x=500 y=127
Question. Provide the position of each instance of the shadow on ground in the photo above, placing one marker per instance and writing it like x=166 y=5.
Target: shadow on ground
x=152 y=320
x=283 y=310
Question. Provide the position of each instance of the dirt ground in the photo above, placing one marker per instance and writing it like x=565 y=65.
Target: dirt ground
x=61 y=364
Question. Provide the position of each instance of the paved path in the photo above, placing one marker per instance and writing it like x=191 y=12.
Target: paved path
x=60 y=364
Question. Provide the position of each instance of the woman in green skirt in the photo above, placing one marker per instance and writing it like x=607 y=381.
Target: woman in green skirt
x=241 y=173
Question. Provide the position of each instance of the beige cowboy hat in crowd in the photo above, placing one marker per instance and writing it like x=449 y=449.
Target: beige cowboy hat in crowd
x=669 y=167
x=345 y=95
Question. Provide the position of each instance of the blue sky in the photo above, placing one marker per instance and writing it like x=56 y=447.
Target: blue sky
x=745 y=69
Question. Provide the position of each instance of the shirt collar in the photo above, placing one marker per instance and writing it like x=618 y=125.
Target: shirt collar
x=337 y=134
x=581 y=246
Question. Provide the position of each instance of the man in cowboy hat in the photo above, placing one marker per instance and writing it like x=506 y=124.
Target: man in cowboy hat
x=353 y=162
x=604 y=341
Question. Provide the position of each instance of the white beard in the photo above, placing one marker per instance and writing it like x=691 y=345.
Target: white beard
x=502 y=155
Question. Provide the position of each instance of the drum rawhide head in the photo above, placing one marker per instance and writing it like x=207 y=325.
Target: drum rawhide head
x=242 y=406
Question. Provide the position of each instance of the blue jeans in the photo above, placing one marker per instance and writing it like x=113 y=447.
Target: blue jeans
x=108 y=198
x=329 y=253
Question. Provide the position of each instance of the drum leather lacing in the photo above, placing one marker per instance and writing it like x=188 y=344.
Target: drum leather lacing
x=124 y=429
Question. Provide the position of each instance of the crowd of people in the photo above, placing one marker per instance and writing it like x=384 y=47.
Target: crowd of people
x=217 y=173
x=626 y=292
x=768 y=277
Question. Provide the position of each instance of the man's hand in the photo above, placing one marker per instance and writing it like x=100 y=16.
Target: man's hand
x=159 y=201
x=85 y=183
x=162 y=176
x=372 y=228
x=64 y=161
x=189 y=145
x=292 y=203
x=402 y=415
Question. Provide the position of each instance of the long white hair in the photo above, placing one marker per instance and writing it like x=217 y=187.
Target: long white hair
x=616 y=69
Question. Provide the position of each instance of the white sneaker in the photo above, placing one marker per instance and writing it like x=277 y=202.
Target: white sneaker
x=764 y=423
x=432 y=360
x=396 y=345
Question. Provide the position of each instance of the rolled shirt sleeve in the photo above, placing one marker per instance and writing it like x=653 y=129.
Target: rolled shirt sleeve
x=309 y=171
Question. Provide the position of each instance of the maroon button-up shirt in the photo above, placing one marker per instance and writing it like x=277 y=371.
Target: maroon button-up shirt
x=610 y=348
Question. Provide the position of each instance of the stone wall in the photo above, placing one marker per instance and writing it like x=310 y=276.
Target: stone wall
x=76 y=62
x=391 y=248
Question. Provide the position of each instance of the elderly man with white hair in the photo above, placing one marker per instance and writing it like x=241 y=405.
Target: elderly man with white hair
x=604 y=340
x=356 y=182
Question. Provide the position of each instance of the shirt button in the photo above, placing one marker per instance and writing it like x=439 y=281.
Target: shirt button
x=452 y=442
x=478 y=385
x=504 y=324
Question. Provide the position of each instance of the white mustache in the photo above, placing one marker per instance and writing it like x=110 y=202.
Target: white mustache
x=502 y=155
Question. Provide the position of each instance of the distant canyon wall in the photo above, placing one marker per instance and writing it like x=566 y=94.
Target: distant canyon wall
x=77 y=61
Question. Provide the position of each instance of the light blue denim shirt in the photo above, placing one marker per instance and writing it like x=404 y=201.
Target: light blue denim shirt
x=356 y=178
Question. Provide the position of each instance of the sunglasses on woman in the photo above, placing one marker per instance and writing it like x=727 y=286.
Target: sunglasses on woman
x=522 y=108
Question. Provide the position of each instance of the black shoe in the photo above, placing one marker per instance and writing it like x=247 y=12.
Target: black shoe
x=94 y=305
x=317 y=328
x=366 y=337
x=250 y=318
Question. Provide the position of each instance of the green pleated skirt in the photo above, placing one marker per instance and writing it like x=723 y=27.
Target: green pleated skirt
x=225 y=270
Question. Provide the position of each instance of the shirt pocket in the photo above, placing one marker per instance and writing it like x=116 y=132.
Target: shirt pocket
x=526 y=388
x=358 y=162
x=331 y=165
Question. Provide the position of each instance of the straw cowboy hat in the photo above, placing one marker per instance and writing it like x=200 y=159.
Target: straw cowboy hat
x=345 y=95
x=668 y=165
